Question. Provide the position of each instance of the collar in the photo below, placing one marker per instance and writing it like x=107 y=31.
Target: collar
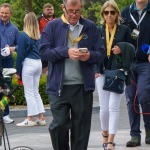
x=73 y=27
x=4 y=24
x=70 y=26
x=47 y=18
x=136 y=9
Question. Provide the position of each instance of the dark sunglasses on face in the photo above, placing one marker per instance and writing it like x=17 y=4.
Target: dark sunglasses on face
x=111 y=12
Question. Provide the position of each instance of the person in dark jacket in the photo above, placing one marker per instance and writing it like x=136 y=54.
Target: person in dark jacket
x=116 y=38
x=136 y=16
x=70 y=80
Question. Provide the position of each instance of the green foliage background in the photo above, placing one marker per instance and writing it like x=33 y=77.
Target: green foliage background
x=91 y=9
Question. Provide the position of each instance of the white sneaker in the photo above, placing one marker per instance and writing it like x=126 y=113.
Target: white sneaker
x=7 y=119
x=40 y=122
x=26 y=123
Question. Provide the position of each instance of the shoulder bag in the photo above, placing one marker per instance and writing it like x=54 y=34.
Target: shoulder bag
x=114 y=81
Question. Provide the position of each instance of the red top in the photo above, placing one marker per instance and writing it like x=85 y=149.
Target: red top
x=43 y=22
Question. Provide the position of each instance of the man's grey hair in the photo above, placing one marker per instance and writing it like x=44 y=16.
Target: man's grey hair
x=7 y=5
x=73 y=2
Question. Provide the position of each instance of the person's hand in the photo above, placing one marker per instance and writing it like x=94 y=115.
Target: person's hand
x=44 y=70
x=17 y=76
x=74 y=53
x=116 y=50
x=85 y=56
x=12 y=49
x=97 y=75
x=149 y=57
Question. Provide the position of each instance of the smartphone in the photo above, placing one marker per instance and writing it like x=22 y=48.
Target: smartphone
x=83 y=50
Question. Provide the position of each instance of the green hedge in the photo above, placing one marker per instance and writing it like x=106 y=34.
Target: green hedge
x=19 y=94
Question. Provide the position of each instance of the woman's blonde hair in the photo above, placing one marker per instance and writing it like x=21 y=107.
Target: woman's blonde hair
x=31 y=26
x=113 y=5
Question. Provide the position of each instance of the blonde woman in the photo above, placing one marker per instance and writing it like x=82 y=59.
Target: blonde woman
x=112 y=32
x=28 y=59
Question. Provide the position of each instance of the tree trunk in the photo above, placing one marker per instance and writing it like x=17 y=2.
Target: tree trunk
x=28 y=6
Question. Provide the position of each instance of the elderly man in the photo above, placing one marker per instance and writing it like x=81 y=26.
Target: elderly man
x=70 y=81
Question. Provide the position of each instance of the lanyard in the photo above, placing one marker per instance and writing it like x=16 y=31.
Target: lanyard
x=76 y=40
x=137 y=24
x=73 y=41
x=109 y=40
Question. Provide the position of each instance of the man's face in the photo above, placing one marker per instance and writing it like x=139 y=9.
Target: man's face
x=72 y=12
x=48 y=12
x=141 y=1
x=5 y=14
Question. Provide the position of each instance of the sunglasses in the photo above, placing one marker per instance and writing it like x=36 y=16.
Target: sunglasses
x=111 y=12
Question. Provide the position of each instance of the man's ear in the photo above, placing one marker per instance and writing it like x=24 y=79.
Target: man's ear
x=63 y=7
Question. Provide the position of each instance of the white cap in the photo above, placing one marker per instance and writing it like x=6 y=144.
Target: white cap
x=5 y=51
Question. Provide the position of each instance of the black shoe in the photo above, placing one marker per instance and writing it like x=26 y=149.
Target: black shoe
x=111 y=144
x=147 y=138
x=104 y=146
x=135 y=141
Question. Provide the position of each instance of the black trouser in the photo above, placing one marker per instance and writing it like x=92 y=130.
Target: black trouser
x=72 y=111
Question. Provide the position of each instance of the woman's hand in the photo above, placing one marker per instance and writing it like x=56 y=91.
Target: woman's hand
x=97 y=75
x=116 y=50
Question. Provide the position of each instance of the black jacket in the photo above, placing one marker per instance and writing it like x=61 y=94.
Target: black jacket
x=144 y=27
x=122 y=35
x=125 y=59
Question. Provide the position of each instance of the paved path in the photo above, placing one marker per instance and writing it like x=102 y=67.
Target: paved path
x=38 y=138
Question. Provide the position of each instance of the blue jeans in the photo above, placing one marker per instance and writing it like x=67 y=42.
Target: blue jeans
x=140 y=76
x=7 y=63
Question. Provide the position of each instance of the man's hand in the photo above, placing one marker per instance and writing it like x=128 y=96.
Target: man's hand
x=44 y=70
x=75 y=54
x=12 y=49
x=85 y=56
x=149 y=57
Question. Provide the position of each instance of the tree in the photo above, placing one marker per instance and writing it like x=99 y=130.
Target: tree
x=28 y=5
x=91 y=9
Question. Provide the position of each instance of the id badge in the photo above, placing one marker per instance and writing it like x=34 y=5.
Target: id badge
x=135 y=33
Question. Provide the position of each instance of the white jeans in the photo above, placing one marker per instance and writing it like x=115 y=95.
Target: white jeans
x=31 y=73
x=109 y=107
